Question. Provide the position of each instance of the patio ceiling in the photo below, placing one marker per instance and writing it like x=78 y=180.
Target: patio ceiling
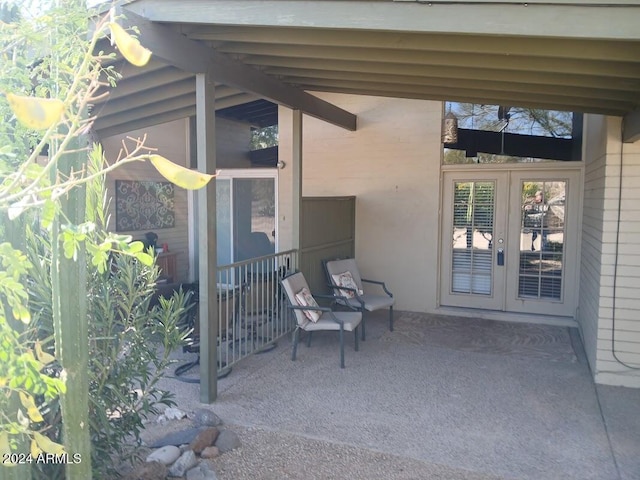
x=581 y=56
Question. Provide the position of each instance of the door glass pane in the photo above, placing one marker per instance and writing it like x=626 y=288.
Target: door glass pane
x=542 y=232
x=472 y=237
x=254 y=216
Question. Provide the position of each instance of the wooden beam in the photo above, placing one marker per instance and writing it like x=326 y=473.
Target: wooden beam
x=441 y=42
x=118 y=128
x=161 y=78
x=631 y=127
x=474 y=141
x=294 y=75
x=154 y=96
x=457 y=72
x=196 y=57
x=616 y=21
x=455 y=96
x=522 y=63
x=561 y=102
x=147 y=111
x=207 y=264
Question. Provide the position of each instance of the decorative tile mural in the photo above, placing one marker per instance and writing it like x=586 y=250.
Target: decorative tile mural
x=144 y=205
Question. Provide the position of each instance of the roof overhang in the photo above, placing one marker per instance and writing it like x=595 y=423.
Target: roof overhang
x=566 y=55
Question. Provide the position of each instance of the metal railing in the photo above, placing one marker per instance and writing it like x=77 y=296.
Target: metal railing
x=252 y=314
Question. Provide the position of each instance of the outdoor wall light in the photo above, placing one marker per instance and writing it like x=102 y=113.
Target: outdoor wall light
x=449 y=131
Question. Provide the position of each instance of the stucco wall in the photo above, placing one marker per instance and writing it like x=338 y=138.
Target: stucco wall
x=170 y=140
x=391 y=165
x=603 y=154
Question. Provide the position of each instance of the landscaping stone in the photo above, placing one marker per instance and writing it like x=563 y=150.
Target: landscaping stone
x=148 y=471
x=210 y=452
x=177 y=438
x=186 y=462
x=172 y=413
x=207 y=418
x=205 y=439
x=201 y=472
x=165 y=455
x=227 y=441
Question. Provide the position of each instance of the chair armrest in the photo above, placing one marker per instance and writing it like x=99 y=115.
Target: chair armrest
x=377 y=282
x=356 y=295
x=322 y=309
x=300 y=307
x=318 y=295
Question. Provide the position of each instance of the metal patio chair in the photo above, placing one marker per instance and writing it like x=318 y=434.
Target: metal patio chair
x=347 y=284
x=312 y=318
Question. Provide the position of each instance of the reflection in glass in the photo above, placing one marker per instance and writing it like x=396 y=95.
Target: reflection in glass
x=472 y=237
x=542 y=231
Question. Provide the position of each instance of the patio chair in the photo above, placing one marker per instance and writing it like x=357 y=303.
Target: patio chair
x=347 y=283
x=312 y=318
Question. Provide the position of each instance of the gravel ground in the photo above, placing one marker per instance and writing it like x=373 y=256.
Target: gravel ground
x=271 y=455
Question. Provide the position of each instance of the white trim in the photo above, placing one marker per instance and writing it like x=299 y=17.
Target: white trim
x=231 y=173
x=507 y=316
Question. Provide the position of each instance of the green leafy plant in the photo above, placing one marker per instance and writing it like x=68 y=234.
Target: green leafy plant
x=131 y=335
x=51 y=74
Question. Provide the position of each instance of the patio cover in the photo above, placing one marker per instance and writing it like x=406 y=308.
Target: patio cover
x=208 y=55
x=570 y=55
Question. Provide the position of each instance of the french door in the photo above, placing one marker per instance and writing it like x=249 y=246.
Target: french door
x=509 y=240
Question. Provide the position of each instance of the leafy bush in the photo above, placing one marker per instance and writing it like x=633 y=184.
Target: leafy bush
x=130 y=341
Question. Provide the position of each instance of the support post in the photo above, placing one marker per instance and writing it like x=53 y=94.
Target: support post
x=206 y=157
x=296 y=156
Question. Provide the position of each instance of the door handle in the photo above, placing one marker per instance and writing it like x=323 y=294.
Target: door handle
x=500 y=258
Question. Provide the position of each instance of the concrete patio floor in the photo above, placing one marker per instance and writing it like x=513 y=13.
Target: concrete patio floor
x=440 y=397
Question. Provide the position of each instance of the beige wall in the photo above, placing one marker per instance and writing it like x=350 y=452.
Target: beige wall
x=170 y=140
x=603 y=153
x=391 y=164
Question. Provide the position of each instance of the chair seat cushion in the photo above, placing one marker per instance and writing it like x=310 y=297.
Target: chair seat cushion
x=371 y=302
x=325 y=322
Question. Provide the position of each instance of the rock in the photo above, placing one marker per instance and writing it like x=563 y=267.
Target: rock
x=205 y=439
x=195 y=474
x=227 y=441
x=207 y=418
x=165 y=455
x=210 y=452
x=177 y=438
x=201 y=472
x=186 y=462
x=148 y=471
x=171 y=413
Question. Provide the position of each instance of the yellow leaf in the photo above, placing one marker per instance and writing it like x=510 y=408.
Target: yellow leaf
x=47 y=445
x=181 y=176
x=35 y=450
x=43 y=356
x=5 y=450
x=34 y=112
x=30 y=405
x=130 y=47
